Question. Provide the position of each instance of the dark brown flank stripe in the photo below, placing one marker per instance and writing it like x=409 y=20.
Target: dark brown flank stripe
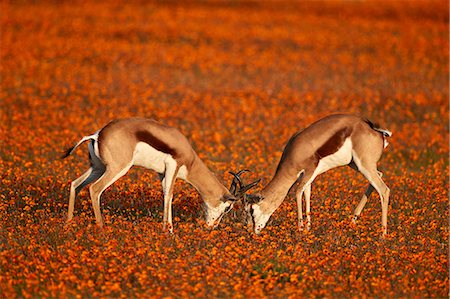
x=158 y=144
x=333 y=144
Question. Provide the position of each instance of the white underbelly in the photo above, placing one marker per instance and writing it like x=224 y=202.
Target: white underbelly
x=342 y=157
x=150 y=158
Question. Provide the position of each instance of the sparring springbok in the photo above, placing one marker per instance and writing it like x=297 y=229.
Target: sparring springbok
x=119 y=145
x=333 y=141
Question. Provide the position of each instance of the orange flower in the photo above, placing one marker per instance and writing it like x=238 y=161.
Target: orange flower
x=238 y=80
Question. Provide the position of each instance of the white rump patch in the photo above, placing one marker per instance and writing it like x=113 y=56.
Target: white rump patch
x=93 y=150
x=96 y=151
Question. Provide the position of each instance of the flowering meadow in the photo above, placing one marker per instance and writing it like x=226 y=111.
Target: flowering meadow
x=238 y=79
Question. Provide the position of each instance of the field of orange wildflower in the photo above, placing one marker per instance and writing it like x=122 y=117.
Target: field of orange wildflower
x=238 y=79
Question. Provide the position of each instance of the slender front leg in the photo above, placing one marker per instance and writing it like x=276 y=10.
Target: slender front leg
x=308 y=206
x=167 y=184
x=299 y=196
x=305 y=188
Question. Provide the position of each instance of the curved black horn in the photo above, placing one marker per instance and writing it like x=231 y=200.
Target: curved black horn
x=236 y=179
x=242 y=171
x=249 y=186
x=237 y=176
x=233 y=184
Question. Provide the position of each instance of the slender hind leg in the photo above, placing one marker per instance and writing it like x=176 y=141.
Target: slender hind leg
x=96 y=189
x=372 y=175
x=364 y=199
x=362 y=203
x=85 y=179
x=74 y=189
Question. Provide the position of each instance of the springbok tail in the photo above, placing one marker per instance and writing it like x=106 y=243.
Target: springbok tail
x=376 y=127
x=385 y=132
x=69 y=151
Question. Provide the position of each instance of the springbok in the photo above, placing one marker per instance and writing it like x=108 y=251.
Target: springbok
x=121 y=144
x=333 y=141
